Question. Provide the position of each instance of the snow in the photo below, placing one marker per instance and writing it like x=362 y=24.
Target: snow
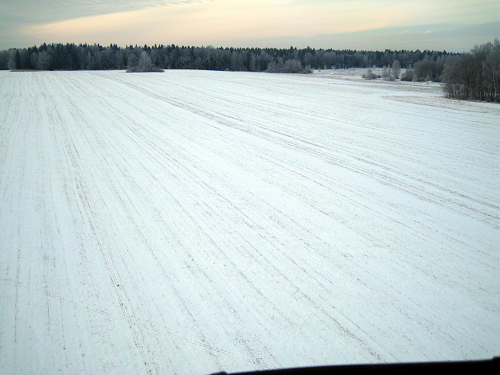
x=192 y=222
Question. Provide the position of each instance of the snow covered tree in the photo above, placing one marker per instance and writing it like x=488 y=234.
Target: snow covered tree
x=369 y=75
x=14 y=61
x=293 y=66
x=43 y=61
x=386 y=74
x=144 y=64
x=132 y=62
x=396 y=69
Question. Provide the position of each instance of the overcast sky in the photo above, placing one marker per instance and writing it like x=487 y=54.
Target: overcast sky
x=452 y=25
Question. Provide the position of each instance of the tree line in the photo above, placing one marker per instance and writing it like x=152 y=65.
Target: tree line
x=473 y=76
x=96 y=57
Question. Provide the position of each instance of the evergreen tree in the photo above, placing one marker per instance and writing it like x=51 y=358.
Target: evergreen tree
x=18 y=59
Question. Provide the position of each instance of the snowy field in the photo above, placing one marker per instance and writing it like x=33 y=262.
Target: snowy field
x=192 y=222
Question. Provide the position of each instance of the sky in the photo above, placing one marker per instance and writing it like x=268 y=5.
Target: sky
x=451 y=25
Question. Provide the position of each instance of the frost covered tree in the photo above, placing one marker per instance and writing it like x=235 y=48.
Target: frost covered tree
x=369 y=75
x=143 y=65
x=293 y=66
x=271 y=67
x=386 y=74
x=154 y=57
x=396 y=69
x=237 y=61
x=14 y=61
x=70 y=56
x=132 y=62
x=276 y=67
x=43 y=61
x=408 y=75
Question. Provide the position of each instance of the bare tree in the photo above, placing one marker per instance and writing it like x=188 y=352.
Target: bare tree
x=474 y=75
x=491 y=68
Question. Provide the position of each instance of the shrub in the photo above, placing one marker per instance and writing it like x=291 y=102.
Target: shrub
x=369 y=75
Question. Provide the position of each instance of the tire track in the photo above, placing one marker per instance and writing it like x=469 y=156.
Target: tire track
x=127 y=319
x=242 y=217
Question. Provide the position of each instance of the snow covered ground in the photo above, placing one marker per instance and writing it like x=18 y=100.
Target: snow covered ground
x=191 y=222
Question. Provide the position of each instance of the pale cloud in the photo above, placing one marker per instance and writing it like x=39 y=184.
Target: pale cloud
x=207 y=21
x=43 y=11
x=429 y=31
x=203 y=22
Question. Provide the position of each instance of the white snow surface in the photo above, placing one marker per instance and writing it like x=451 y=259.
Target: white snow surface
x=192 y=222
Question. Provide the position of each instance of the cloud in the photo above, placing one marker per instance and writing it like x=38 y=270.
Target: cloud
x=444 y=37
x=153 y=18
x=207 y=22
x=203 y=22
x=38 y=12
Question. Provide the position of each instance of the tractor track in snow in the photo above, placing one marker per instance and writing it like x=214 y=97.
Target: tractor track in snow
x=196 y=222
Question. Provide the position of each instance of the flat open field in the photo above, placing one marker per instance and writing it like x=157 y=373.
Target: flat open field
x=192 y=222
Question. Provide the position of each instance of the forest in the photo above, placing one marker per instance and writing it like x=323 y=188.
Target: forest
x=473 y=76
x=97 y=57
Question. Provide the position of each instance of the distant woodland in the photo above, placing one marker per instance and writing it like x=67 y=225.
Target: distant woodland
x=474 y=75
x=97 y=57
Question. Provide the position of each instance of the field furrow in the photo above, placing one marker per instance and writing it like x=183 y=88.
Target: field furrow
x=194 y=222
